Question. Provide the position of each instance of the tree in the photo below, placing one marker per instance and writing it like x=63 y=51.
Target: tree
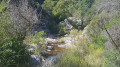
x=12 y=51
x=61 y=9
x=48 y=5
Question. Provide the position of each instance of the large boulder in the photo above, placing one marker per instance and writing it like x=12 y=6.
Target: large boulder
x=71 y=23
x=49 y=62
x=36 y=61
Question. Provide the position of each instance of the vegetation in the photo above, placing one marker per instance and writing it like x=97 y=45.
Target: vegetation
x=38 y=40
x=96 y=46
x=61 y=9
x=85 y=54
x=113 y=21
x=100 y=25
x=12 y=50
x=61 y=28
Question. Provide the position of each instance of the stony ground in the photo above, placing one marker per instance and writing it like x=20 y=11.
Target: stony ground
x=61 y=43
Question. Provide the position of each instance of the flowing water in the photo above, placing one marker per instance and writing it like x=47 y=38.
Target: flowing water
x=55 y=49
x=56 y=52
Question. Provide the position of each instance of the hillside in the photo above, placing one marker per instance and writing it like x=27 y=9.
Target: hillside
x=59 y=33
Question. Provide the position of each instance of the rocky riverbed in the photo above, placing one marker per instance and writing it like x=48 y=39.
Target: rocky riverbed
x=55 y=47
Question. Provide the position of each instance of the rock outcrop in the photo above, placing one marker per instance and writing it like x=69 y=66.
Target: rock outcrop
x=25 y=13
x=36 y=61
x=72 y=23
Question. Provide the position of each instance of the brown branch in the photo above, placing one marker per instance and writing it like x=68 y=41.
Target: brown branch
x=113 y=42
x=25 y=19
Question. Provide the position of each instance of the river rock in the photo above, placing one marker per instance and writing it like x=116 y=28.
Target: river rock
x=68 y=26
x=69 y=22
x=46 y=54
x=50 y=47
x=49 y=62
x=51 y=41
x=31 y=50
x=36 y=61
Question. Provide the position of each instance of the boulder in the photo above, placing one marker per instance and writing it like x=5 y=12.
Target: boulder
x=71 y=23
x=51 y=41
x=36 y=61
x=50 y=47
x=46 y=54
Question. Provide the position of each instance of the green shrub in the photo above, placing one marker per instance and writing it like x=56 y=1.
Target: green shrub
x=84 y=54
x=62 y=9
x=76 y=25
x=99 y=40
x=111 y=59
x=62 y=30
x=112 y=22
x=12 y=51
x=48 y=5
x=71 y=58
x=38 y=39
x=74 y=32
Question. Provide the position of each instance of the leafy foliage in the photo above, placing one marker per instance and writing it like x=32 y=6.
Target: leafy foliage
x=61 y=9
x=99 y=40
x=96 y=27
x=61 y=28
x=13 y=53
x=12 y=50
x=113 y=21
x=38 y=39
x=111 y=59
x=49 y=4
x=85 y=54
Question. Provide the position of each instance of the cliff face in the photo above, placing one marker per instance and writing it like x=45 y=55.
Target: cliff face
x=25 y=13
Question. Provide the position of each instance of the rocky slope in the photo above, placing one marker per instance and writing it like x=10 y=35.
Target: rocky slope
x=105 y=10
x=25 y=13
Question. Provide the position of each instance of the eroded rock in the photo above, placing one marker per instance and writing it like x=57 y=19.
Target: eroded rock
x=36 y=61
x=71 y=23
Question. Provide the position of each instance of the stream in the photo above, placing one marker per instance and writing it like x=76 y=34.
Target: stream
x=55 y=51
x=58 y=47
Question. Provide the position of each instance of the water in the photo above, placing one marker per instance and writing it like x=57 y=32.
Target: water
x=55 y=49
x=56 y=52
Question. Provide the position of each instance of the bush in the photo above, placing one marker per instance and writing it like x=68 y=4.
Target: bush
x=84 y=54
x=99 y=40
x=111 y=59
x=112 y=22
x=74 y=32
x=48 y=5
x=71 y=58
x=62 y=30
x=12 y=51
x=38 y=39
